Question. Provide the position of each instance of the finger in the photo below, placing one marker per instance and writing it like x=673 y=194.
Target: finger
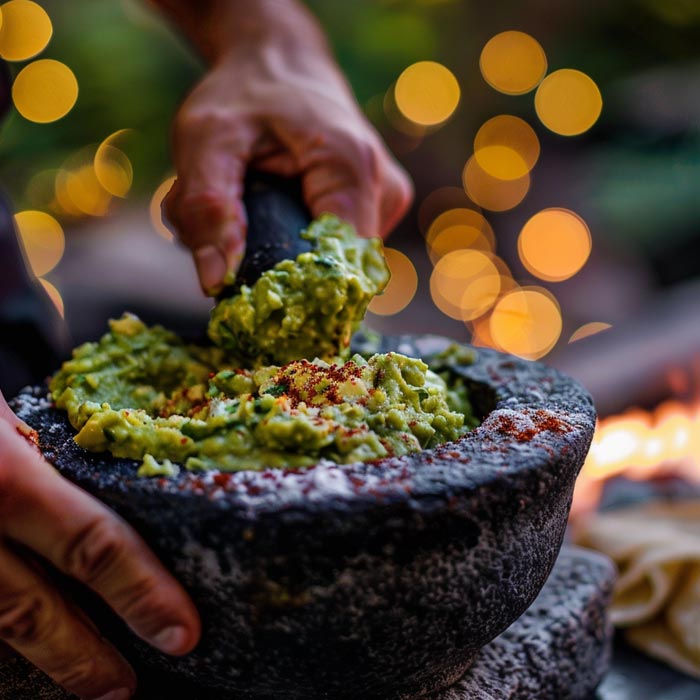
x=21 y=428
x=6 y=412
x=38 y=624
x=211 y=154
x=397 y=195
x=84 y=539
x=280 y=162
x=334 y=187
x=339 y=173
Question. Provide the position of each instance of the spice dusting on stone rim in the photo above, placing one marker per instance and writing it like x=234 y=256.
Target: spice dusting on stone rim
x=529 y=395
x=143 y=393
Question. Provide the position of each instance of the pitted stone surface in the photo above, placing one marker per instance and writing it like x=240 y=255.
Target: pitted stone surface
x=557 y=650
x=395 y=573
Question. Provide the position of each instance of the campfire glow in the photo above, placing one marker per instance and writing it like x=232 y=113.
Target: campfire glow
x=640 y=445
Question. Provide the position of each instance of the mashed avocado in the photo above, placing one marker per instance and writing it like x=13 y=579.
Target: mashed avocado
x=308 y=307
x=275 y=391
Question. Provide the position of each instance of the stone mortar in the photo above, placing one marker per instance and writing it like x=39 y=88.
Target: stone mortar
x=381 y=580
x=559 y=649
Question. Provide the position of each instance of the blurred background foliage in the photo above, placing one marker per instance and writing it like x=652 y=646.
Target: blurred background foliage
x=634 y=177
x=133 y=71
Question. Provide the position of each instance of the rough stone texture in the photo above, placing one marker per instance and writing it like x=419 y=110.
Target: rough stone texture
x=394 y=573
x=558 y=649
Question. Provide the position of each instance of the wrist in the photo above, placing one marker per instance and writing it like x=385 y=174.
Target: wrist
x=221 y=28
x=284 y=28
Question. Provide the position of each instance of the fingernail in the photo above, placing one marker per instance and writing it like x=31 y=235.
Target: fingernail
x=171 y=640
x=121 y=694
x=234 y=261
x=211 y=266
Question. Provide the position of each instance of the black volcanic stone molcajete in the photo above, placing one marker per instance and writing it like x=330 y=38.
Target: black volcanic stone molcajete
x=378 y=580
x=559 y=649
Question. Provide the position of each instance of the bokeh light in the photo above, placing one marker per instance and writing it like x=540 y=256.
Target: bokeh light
x=42 y=239
x=513 y=63
x=25 y=30
x=507 y=281
x=397 y=119
x=554 y=244
x=45 y=91
x=480 y=329
x=464 y=284
x=457 y=229
x=506 y=147
x=84 y=190
x=113 y=170
x=461 y=216
x=491 y=192
x=155 y=208
x=40 y=190
x=568 y=102
x=54 y=295
x=402 y=285
x=427 y=93
x=440 y=200
x=457 y=237
x=526 y=322
x=113 y=167
x=588 y=329
x=63 y=204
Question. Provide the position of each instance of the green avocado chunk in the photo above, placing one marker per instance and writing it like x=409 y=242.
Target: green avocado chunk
x=275 y=391
x=308 y=307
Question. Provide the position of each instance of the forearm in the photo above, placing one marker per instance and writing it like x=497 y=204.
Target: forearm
x=218 y=28
x=275 y=99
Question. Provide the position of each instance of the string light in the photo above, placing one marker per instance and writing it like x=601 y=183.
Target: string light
x=112 y=166
x=427 y=93
x=441 y=200
x=464 y=284
x=462 y=216
x=402 y=285
x=554 y=244
x=513 y=62
x=506 y=147
x=568 y=102
x=155 y=208
x=54 y=295
x=45 y=91
x=526 y=322
x=589 y=329
x=396 y=117
x=85 y=191
x=457 y=229
x=42 y=239
x=491 y=192
x=25 y=30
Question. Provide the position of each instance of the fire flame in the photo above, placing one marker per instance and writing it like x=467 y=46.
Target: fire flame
x=639 y=445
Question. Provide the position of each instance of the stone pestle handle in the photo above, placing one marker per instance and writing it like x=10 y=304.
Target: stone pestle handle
x=276 y=216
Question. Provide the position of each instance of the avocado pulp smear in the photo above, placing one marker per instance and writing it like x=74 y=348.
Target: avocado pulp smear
x=276 y=390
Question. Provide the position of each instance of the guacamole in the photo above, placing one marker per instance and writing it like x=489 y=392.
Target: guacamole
x=304 y=308
x=276 y=389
